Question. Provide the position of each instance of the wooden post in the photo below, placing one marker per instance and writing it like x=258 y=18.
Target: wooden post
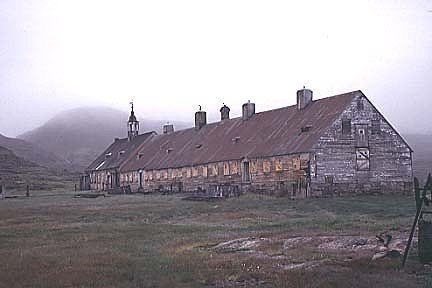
x=28 y=191
x=423 y=200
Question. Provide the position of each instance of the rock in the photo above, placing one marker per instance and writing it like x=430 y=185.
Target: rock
x=379 y=255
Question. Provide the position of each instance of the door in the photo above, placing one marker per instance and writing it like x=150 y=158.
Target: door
x=246 y=175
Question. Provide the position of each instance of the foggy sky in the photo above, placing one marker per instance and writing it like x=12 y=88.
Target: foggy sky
x=171 y=56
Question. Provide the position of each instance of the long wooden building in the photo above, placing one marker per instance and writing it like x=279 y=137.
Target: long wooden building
x=338 y=145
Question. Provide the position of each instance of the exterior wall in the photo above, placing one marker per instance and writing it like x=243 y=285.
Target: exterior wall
x=334 y=164
x=281 y=175
x=103 y=180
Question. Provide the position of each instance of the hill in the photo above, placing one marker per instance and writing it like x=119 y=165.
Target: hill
x=34 y=153
x=80 y=135
x=10 y=163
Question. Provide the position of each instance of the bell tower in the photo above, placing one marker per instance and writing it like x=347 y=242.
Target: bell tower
x=132 y=124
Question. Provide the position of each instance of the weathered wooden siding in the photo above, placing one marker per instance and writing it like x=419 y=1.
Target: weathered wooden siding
x=334 y=164
x=282 y=175
x=101 y=180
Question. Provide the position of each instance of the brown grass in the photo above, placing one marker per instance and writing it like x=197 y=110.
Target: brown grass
x=161 y=241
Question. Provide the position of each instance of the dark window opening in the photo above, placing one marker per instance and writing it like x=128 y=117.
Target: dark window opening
x=246 y=175
x=346 y=126
x=328 y=179
x=305 y=129
x=360 y=105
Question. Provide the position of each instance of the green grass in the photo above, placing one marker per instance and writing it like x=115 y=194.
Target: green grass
x=157 y=241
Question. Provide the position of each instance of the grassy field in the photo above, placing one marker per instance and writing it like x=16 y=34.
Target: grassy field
x=55 y=240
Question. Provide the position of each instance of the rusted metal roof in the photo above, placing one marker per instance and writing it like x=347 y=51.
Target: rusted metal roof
x=269 y=133
x=118 y=152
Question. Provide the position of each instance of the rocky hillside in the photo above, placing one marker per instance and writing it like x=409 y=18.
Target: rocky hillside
x=80 y=135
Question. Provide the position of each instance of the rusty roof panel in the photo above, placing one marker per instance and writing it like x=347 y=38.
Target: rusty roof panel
x=118 y=152
x=269 y=133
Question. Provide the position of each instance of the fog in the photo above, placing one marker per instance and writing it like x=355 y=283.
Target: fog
x=171 y=56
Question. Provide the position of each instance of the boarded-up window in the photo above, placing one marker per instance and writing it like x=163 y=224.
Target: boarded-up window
x=278 y=165
x=376 y=127
x=362 y=139
x=194 y=171
x=253 y=166
x=346 y=126
x=204 y=171
x=296 y=163
x=234 y=168
x=266 y=166
x=214 y=170
x=226 y=168
x=362 y=159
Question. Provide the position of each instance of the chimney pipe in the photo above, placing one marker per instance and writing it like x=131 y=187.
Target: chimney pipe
x=200 y=118
x=224 y=112
x=248 y=109
x=304 y=97
x=168 y=128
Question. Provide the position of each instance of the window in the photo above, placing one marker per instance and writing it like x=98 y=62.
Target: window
x=362 y=139
x=213 y=169
x=278 y=165
x=253 y=166
x=195 y=172
x=188 y=173
x=266 y=166
x=226 y=168
x=305 y=129
x=362 y=159
x=346 y=126
x=360 y=105
x=328 y=179
x=376 y=127
x=204 y=171
x=296 y=163
x=234 y=168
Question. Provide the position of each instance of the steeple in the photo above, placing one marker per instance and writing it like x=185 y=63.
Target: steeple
x=133 y=124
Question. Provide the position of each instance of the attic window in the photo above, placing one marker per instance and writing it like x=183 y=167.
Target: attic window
x=198 y=146
x=360 y=105
x=107 y=155
x=140 y=155
x=121 y=152
x=305 y=129
x=169 y=150
x=235 y=139
x=346 y=126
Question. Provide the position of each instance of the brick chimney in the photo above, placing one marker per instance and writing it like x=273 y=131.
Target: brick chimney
x=304 y=97
x=168 y=128
x=200 y=119
x=248 y=109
